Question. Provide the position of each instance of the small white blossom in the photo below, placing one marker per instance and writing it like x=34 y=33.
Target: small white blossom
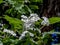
x=26 y=1
x=34 y=41
x=9 y=31
x=36 y=29
x=24 y=18
x=45 y=21
x=34 y=17
x=32 y=35
x=1 y=43
x=23 y=34
x=1 y=25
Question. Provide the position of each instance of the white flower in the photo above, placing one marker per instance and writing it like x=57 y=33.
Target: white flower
x=26 y=1
x=45 y=21
x=34 y=41
x=34 y=17
x=23 y=16
x=1 y=25
x=23 y=34
x=32 y=35
x=33 y=14
x=29 y=21
x=1 y=43
x=9 y=31
x=36 y=29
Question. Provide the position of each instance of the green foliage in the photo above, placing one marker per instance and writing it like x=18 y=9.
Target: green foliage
x=47 y=39
x=22 y=7
x=15 y=23
x=36 y=1
x=1 y=1
x=54 y=20
x=38 y=23
x=13 y=17
x=52 y=30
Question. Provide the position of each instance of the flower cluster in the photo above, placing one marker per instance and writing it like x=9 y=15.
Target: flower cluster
x=45 y=21
x=9 y=31
x=29 y=21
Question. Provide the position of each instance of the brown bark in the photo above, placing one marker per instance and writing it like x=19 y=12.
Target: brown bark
x=51 y=8
x=46 y=28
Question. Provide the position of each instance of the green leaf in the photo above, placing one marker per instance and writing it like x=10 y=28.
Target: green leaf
x=1 y=1
x=54 y=20
x=34 y=7
x=14 y=22
x=36 y=1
